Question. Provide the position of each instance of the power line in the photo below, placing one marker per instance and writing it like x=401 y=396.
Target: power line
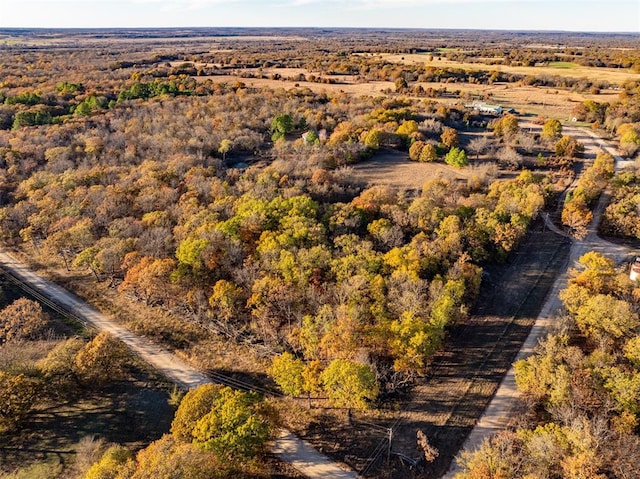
x=216 y=376
x=44 y=299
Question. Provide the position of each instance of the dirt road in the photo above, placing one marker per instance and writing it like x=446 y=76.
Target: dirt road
x=497 y=415
x=446 y=404
x=287 y=447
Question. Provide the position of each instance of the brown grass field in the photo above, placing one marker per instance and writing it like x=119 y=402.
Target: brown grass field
x=394 y=168
x=612 y=75
x=546 y=101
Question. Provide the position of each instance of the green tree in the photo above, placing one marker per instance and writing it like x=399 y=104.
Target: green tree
x=193 y=407
x=113 y=464
x=311 y=137
x=287 y=371
x=189 y=252
x=605 y=316
x=349 y=384
x=224 y=148
x=414 y=342
x=31 y=118
x=552 y=129
x=407 y=128
x=235 y=427
x=624 y=388
x=630 y=141
x=632 y=351
x=90 y=105
x=545 y=376
x=373 y=139
x=456 y=157
x=87 y=258
x=281 y=125
x=446 y=302
x=224 y=299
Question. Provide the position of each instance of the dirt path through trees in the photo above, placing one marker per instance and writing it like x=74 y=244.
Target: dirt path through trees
x=287 y=447
x=502 y=407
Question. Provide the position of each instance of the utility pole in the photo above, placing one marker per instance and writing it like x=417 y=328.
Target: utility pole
x=388 y=430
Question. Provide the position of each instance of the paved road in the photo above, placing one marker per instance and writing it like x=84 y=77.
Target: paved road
x=287 y=447
x=499 y=412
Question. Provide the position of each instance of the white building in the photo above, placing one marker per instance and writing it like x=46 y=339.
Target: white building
x=486 y=108
x=634 y=273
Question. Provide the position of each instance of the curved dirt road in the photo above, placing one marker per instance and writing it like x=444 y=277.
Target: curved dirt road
x=287 y=447
x=499 y=412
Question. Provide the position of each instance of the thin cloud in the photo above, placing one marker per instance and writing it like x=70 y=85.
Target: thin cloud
x=408 y=3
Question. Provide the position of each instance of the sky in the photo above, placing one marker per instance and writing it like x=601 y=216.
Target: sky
x=570 y=15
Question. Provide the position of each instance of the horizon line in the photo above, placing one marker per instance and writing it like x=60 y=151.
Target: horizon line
x=374 y=28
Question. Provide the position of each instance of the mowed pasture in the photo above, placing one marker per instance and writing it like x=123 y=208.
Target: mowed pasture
x=394 y=168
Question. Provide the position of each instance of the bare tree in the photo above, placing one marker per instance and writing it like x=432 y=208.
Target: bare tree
x=509 y=157
x=478 y=145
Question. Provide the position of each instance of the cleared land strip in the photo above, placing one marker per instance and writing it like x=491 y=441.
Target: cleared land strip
x=499 y=412
x=301 y=455
x=479 y=351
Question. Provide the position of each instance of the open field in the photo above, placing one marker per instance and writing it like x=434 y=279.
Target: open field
x=130 y=413
x=53 y=39
x=545 y=101
x=369 y=88
x=611 y=75
x=538 y=100
x=394 y=168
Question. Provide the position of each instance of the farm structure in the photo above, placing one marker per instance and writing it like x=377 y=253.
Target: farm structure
x=634 y=273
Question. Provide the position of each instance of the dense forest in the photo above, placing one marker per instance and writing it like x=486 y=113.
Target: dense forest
x=234 y=209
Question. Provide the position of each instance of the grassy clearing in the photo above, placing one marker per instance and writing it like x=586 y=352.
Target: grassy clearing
x=563 y=65
x=546 y=101
x=393 y=168
x=369 y=88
